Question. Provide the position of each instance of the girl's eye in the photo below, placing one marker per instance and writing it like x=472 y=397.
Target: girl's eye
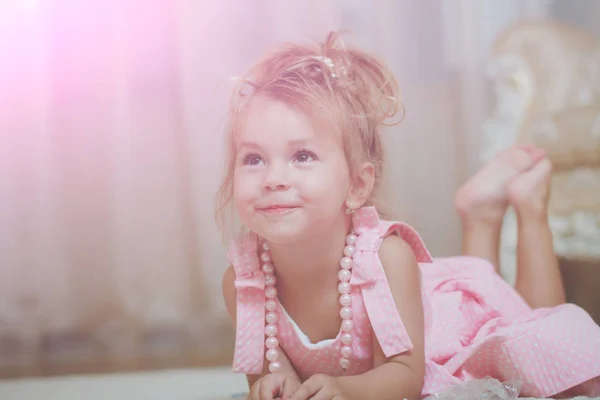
x=304 y=156
x=252 y=159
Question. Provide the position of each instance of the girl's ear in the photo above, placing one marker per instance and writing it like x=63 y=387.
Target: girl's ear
x=362 y=186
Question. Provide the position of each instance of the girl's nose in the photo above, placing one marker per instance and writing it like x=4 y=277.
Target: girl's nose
x=276 y=179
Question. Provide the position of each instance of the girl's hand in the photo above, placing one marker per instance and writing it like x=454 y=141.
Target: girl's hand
x=320 y=387
x=274 y=386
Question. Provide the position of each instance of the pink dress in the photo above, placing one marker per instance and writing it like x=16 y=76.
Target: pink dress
x=476 y=325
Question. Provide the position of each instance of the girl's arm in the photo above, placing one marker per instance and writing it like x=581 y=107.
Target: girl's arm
x=230 y=297
x=399 y=376
x=402 y=375
x=396 y=377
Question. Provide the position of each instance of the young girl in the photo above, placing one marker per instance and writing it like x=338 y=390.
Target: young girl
x=332 y=301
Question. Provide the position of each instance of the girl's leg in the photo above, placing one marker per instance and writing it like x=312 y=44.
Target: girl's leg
x=590 y=389
x=482 y=201
x=482 y=239
x=539 y=280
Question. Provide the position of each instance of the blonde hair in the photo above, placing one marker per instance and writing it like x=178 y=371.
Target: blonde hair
x=347 y=88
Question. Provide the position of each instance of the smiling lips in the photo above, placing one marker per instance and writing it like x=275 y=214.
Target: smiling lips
x=277 y=209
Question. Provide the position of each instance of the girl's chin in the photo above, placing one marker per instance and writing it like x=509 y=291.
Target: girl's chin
x=282 y=234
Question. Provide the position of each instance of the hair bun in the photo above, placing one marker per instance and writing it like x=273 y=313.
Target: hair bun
x=362 y=77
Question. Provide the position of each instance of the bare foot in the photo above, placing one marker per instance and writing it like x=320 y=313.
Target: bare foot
x=484 y=197
x=529 y=192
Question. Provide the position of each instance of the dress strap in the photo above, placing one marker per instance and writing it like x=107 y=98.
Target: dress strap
x=409 y=235
x=368 y=274
x=250 y=315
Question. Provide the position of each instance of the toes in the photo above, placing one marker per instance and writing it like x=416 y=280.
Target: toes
x=535 y=174
x=518 y=159
x=535 y=153
x=531 y=186
x=542 y=168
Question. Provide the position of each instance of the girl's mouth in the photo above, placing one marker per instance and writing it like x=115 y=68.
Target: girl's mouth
x=277 y=209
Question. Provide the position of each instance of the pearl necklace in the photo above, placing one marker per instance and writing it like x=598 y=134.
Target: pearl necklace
x=271 y=318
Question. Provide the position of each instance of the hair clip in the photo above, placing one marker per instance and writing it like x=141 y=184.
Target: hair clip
x=328 y=63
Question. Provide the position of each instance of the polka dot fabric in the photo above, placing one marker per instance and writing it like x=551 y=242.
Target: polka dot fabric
x=476 y=325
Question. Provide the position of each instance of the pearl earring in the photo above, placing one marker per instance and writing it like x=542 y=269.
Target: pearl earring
x=350 y=207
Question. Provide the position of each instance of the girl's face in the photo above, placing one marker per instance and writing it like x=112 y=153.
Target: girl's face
x=289 y=180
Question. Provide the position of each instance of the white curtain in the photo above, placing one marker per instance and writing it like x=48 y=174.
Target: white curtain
x=110 y=151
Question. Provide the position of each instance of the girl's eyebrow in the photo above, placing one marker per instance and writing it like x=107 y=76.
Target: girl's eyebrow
x=291 y=143
x=251 y=145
